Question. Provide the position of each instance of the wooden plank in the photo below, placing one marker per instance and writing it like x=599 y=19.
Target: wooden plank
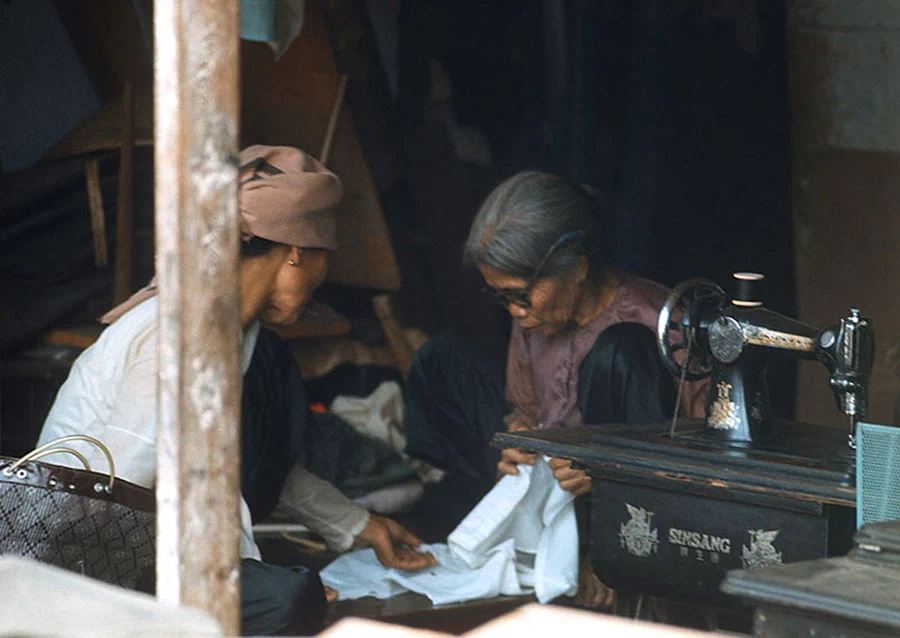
x=195 y=146
x=102 y=131
x=636 y=453
x=310 y=328
x=289 y=102
x=78 y=336
x=415 y=610
x=95 y=203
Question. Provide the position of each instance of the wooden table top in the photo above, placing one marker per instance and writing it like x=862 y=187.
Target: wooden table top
x=415 y=610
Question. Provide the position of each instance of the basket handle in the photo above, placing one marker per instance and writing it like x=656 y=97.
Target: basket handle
x=64 y=450
x=47 y=449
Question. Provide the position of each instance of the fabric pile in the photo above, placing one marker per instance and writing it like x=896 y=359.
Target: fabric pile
x=521 y=538
x=380 y=416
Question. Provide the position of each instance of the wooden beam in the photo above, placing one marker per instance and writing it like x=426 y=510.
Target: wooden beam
x=95 y=204
x=196 y=107
x=124 y=274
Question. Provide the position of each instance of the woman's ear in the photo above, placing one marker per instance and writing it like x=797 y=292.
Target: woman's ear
x=294 y=256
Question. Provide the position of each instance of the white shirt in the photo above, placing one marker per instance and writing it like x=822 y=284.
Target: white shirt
x=110 y=394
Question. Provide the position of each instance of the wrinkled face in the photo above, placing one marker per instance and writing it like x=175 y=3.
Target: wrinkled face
x=553 y=300
x=293 y=286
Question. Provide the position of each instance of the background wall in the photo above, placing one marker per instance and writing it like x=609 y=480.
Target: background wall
x=845 y=97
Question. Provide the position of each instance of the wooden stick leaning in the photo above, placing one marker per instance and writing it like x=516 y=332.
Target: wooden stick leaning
x=332 y=119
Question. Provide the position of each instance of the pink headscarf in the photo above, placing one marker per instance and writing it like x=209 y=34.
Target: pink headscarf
x=286 y=196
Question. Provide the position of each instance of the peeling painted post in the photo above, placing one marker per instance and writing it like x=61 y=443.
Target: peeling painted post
x=195 y=146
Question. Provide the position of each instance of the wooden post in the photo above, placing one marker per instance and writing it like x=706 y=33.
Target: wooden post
x=123 y=284
x=95 y=204
x=398 y=346
x=195 y=137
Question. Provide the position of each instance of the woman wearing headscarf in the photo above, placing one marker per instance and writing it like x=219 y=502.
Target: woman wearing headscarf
x=582 y=348
x=287 y=224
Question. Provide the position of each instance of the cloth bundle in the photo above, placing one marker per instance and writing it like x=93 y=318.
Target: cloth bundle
x=380 y=416
x=521 y=537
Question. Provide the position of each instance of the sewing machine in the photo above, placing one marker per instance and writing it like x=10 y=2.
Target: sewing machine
x=675 y=505
x=733 y=343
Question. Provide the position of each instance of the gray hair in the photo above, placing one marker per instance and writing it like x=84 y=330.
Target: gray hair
x=524 y=216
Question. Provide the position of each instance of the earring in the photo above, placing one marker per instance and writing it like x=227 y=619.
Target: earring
x=292 y=263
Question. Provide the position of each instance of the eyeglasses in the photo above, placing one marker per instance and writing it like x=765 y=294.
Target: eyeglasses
x=521 y=297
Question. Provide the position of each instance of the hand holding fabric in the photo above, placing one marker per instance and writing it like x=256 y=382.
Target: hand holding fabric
x=394 y=545
x=575 y=481
x=510 y=458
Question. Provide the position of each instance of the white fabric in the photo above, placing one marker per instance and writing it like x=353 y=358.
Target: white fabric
x=359 y=574
x=521 y=537
x=308 y=499
x=380 y=416
x=392 y=499
x=247 y=547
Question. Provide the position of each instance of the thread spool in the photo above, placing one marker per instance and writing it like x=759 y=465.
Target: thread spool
x=747 y=289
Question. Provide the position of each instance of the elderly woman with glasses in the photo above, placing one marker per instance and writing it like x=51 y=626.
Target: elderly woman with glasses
x=582 y=347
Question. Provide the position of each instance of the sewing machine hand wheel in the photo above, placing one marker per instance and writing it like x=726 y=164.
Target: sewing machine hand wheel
x=694 y=303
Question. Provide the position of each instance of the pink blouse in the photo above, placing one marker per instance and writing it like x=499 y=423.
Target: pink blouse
x=542 y=369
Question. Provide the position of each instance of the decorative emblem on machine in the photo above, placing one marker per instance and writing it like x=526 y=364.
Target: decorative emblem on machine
x=777 y=339
x=636 y=535
x=761 y=552
x=723 y=411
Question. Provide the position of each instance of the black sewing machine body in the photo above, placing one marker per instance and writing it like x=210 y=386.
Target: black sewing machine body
x=737 y=406
x=734 y=342
x=673 y=509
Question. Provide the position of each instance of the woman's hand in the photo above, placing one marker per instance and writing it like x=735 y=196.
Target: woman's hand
x=592 y=594
x=520 y=426
x=575 y=481
x=394 y=545
x=331 y=594
x=510 y=459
